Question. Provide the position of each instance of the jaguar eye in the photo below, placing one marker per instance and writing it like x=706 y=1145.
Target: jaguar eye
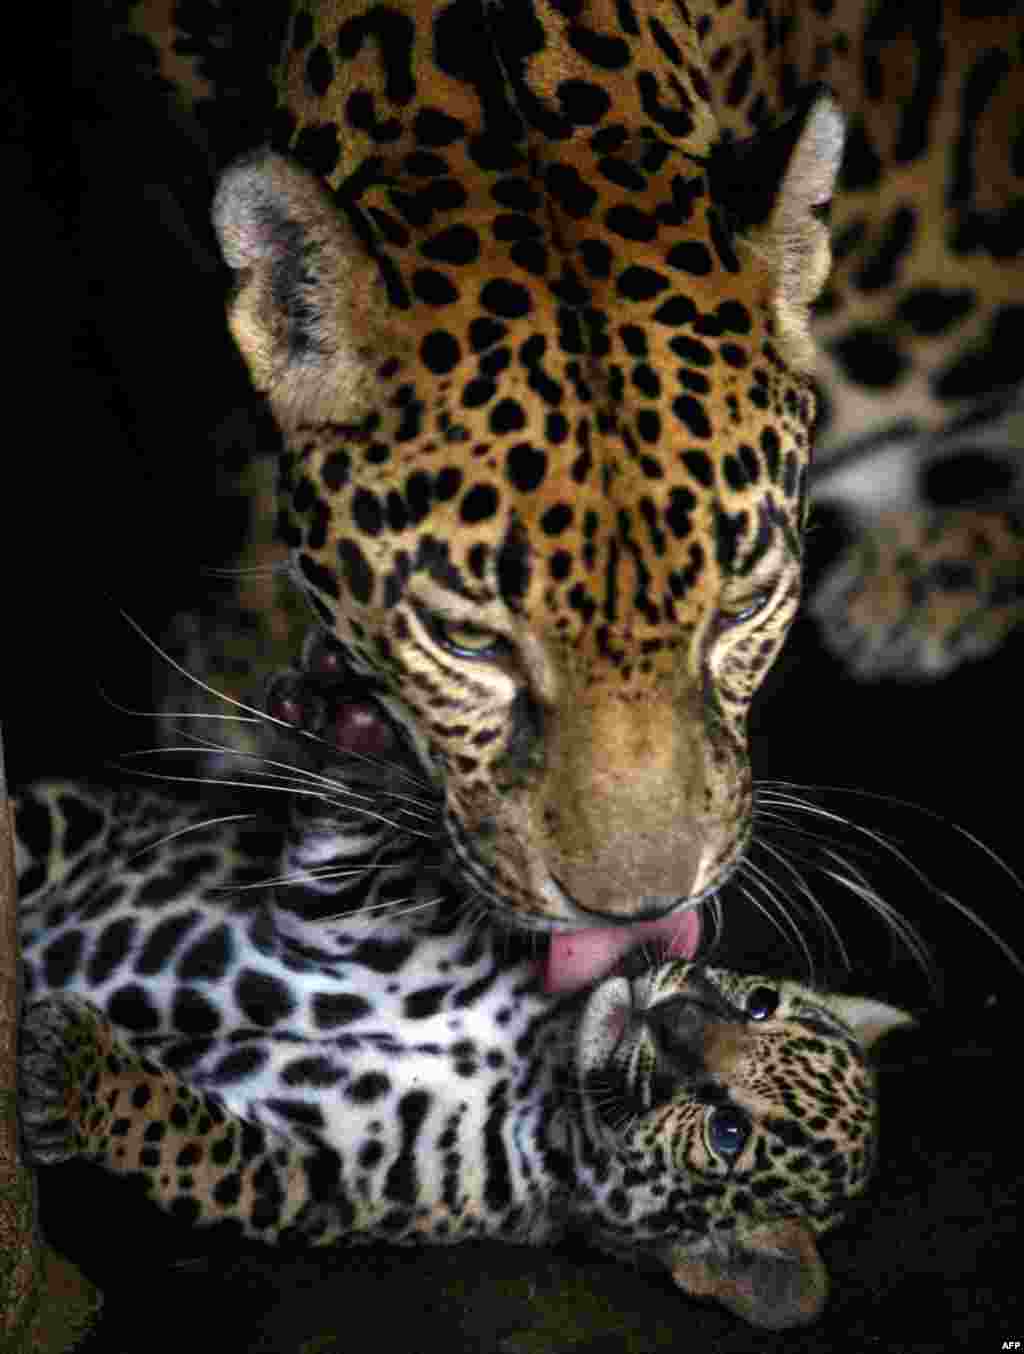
x=762 y=1003
x=727 y=1131
x=467 y=640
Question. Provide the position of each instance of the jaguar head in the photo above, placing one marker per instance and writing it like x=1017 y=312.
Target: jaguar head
x=543 y=480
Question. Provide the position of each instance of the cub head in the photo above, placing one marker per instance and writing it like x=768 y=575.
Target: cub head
x=728 y=1121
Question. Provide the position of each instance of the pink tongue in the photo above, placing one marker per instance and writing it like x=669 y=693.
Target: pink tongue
x=577 y=958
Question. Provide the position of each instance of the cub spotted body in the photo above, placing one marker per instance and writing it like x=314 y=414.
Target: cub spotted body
x=398 y=1076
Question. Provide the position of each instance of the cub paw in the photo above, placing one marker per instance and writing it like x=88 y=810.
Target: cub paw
x=346 y=715
x=57 y=1034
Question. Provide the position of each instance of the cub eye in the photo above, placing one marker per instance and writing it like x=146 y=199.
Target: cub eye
x=744 y=608
x=762 y=1003
x=467 y=640
x=727 y=1131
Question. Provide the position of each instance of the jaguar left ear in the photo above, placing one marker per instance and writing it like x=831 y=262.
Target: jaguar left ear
x=773 y=1277
x=310 y=314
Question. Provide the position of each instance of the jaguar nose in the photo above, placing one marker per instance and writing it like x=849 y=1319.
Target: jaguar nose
x=641 y=884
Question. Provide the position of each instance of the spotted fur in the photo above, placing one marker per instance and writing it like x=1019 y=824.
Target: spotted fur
x=398 y=1077
x=536 y=335
x=547 y=420
x=919 y=359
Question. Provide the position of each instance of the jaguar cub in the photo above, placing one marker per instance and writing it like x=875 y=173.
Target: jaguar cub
x=397 y=1076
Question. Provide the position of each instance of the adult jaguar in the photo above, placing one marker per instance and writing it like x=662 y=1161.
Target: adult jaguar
x=397 y=1077
x=540 y=354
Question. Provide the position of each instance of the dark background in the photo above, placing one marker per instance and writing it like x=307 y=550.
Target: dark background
x=120 y=379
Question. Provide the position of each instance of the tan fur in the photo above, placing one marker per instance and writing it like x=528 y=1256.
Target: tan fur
x=628 y=810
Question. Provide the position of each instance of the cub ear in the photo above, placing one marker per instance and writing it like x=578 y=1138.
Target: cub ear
x=775 y=188
x=772 y=1277
x=309 y=311
x=870 y=1020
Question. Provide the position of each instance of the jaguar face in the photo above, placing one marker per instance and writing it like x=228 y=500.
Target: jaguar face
x=546 y=425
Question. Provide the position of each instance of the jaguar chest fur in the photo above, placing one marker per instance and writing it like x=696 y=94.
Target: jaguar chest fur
x=399 y=1077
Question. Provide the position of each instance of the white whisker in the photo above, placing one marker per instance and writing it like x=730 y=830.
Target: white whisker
x=244 y=570
x=909 y=804
x=180 y=714
x=192 y=827
x=394 y=907
x=812 y=903
x=290 y=788
x=766 y=913
x=759 y=879
x=241 y=705
x=292 y=772
x=774 y=800
x=294 y=880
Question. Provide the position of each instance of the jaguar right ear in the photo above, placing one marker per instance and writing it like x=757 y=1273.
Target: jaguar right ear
x=870 y=1020
x=310 y=314
x=775 y=188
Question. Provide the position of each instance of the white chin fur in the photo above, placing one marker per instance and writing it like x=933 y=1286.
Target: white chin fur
x=602 y=1024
